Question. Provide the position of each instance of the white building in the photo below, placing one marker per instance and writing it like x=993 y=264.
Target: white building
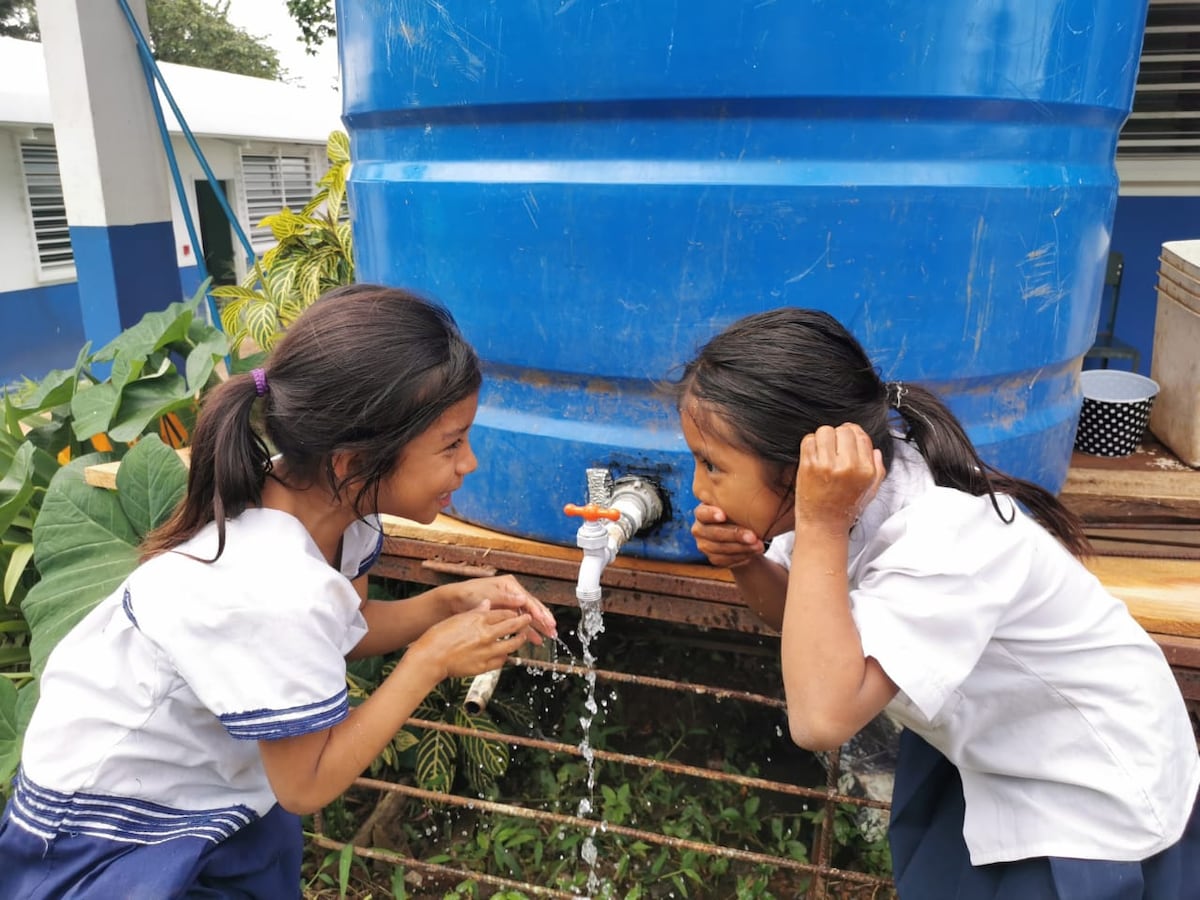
x=263 y=140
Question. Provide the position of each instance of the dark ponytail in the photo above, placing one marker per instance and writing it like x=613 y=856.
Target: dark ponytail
x=363 y=371
x=229 y=462
x=954 y=462
x=778 y=375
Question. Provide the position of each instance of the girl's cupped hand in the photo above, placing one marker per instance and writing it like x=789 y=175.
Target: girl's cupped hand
x=476 y=641
x=504 y=592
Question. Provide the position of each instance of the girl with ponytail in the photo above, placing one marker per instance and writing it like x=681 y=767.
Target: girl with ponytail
x=189 y=720
x=1047 y=752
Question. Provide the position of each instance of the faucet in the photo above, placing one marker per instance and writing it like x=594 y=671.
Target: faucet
x=628 y=506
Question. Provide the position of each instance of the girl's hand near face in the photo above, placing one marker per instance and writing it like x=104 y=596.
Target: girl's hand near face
x=839 y=473
x=724 y=544
x=503 y=592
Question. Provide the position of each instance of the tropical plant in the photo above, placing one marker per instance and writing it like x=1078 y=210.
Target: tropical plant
x=314 y=253
x=441 y=760
x=157 y=371
x=85 y=542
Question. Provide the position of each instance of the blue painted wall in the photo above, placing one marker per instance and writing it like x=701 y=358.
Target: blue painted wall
x=42 y=328
x=1140 y=228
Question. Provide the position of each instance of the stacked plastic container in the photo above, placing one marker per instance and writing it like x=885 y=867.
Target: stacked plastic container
x=1175 y=419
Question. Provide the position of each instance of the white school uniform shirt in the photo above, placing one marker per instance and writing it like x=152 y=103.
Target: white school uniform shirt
x=1059 y=711
x=152 y=706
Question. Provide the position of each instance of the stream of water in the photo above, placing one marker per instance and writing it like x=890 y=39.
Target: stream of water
x=591 y=624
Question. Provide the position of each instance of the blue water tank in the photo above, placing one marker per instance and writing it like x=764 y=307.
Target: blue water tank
x=596 y=188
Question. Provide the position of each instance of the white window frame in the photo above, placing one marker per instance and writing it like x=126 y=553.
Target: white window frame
x=1158 y=151
x=48 y=232
x=279 y=177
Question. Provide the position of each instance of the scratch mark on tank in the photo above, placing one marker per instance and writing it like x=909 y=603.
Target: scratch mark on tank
x=823 y=257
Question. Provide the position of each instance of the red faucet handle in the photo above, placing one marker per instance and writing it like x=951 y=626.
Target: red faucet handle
x=592 y=512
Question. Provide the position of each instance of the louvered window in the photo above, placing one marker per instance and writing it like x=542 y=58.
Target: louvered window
x=1166 y=105
x=272 y=183
x=39 y=162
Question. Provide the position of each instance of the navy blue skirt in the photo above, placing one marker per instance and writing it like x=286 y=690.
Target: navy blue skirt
x=930 y=860
x=261 y=860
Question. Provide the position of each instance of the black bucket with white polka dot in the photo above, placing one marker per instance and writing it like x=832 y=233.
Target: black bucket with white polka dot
x=1115 y=413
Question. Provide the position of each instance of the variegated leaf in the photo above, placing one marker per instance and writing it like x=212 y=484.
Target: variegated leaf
x=435 y=761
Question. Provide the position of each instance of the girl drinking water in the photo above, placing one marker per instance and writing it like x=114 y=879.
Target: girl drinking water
x=1047 y=750
x=190 y=718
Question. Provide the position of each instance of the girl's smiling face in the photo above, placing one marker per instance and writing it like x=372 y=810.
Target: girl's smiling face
x=736 y=481
x=432 y=466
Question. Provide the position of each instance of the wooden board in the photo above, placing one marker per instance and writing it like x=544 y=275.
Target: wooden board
x=1148 y=485
x=447 y=530
x=1162 y=594
x=104 y=475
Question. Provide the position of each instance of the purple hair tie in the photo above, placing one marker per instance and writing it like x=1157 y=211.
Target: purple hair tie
x=260 y=381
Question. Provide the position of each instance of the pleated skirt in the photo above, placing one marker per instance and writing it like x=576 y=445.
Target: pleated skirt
x=261 y=860
x=930 y=860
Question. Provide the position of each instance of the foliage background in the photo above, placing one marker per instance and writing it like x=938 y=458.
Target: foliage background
x=189 y=32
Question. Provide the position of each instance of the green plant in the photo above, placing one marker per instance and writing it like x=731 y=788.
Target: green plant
x=157 y=371
x=85 y=542
x=314 y=253
x=441 y=757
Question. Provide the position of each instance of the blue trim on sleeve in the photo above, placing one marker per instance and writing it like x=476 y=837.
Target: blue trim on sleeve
x=367 y=563
x=48 y=813
x=272 y=724
x=127 y=605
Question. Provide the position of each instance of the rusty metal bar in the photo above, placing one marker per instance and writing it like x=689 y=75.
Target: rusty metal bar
x=552 y=589
x=820 y=887
x=779 y=787
x=651 y=837
x=650 y=681
x=645 y=590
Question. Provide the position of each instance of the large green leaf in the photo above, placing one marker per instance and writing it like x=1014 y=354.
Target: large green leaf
x=84 y=545
x=150 y=483
x=93 y=408
x=55 y=389
x=203 y=358
x=10 y=732
x=16 y=709
x=18 y=557
x=44 y=465
x=16 y=486
x=155 y=331
x=147 y=399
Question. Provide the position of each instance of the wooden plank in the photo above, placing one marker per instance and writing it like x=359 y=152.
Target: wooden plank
x=1162 y=594
x=104 y=475
x=1150 y=485
x=447 y=530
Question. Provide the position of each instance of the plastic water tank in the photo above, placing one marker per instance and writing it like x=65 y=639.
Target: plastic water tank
x=596 y=188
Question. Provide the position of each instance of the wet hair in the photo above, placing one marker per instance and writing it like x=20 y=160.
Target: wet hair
x=363 y=371
x=774 y=377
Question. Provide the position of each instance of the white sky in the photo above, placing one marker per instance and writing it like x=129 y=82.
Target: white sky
x=268 y=20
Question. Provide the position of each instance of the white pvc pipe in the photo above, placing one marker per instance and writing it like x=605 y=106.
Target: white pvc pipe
x=480 y=691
